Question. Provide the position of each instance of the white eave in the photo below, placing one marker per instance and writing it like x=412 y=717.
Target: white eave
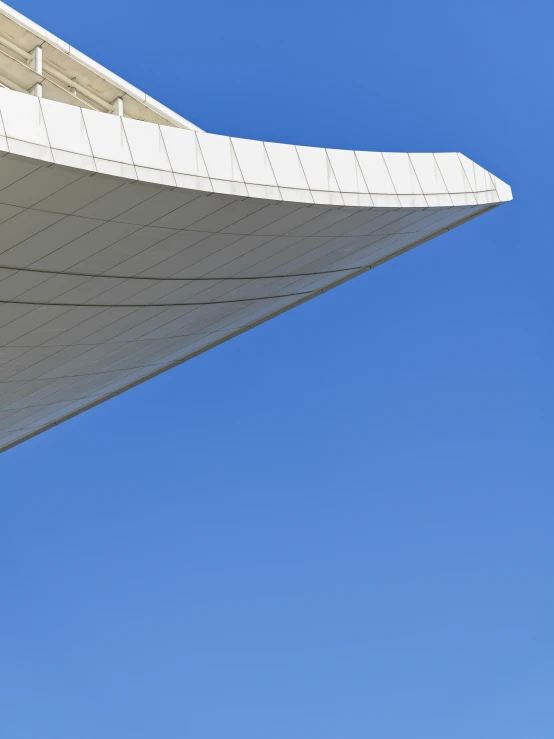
x=69 y=76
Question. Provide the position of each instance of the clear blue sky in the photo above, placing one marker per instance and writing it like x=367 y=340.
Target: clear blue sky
x=339 y=525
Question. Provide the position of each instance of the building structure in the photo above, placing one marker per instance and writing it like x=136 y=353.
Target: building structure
x=131 y=240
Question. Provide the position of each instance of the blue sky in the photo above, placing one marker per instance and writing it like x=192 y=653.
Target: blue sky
x=338 y=524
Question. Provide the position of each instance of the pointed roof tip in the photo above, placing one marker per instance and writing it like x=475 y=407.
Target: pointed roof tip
x=503 y=189
x=481 y=179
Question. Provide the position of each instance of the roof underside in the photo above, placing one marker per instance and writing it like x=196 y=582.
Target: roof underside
x=130 y=243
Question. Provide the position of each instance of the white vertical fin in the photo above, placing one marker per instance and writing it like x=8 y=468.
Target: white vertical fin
x=35 y=62
x=118 y=106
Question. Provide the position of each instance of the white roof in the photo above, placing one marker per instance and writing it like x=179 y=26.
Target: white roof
x=128 y=247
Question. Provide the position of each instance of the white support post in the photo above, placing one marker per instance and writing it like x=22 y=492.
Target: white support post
x=36 y=63
x=118 y=106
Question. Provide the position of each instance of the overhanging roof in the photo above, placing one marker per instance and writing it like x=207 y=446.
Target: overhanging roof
x=128 y=247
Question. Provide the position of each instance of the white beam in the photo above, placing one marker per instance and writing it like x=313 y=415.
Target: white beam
x=72 y=83
x=36 y=59
x=35 y=62
x=118 y=106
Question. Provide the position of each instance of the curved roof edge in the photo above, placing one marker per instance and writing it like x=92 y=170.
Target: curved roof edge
x=174 y=157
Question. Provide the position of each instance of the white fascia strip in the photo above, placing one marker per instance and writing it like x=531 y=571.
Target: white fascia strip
x=140 y=150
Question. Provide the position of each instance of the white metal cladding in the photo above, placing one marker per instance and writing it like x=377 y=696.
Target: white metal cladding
x=127 y=247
